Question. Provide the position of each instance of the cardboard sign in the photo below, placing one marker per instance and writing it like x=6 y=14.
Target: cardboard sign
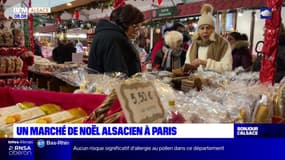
x=140 y=102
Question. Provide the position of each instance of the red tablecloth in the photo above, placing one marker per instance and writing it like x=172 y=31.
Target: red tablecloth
x=88 y=102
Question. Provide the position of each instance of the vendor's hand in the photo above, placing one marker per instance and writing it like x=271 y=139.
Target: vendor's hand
x=198 y=62
x=189 y=68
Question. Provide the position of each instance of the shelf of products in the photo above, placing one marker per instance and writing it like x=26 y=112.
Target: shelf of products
x=10 y=62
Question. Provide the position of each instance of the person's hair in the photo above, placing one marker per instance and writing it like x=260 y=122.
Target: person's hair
x=126 y=16
x=243 y=37
x=236 y=35
x=171 y=38
x=166 y=30
x=176 y=25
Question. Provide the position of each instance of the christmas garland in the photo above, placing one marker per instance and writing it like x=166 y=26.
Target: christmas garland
x=101 y=4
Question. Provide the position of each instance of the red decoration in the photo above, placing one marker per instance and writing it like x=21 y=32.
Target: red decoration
x=31 y=30
x=3 y=1
x=119 y=3
x=158 y=1
x=58 y=19
x=271 y=38
x=76 y=14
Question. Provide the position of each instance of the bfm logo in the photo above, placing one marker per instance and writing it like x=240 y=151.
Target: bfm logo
x=23 y=12
x=20 y=13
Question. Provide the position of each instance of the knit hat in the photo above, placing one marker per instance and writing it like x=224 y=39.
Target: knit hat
x=206 y=15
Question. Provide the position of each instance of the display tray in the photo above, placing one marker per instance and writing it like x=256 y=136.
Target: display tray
x=44 y=73
x=88 y=102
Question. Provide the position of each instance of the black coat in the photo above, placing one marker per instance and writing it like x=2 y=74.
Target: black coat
x=38 y=50
x=63 y=53
x=280 y=68
x=111 y=50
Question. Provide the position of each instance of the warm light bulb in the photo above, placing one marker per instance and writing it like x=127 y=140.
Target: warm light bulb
x=157 y=30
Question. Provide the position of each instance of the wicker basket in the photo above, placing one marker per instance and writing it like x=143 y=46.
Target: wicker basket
x=99 y=114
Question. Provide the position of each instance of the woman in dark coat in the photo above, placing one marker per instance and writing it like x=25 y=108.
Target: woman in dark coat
x=240 y=50
x=111 y=49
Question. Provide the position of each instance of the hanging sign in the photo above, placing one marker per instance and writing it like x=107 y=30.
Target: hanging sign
x=165 y=12
x=140 y=102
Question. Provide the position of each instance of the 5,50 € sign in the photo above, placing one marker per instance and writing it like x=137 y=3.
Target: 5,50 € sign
x=140 y=102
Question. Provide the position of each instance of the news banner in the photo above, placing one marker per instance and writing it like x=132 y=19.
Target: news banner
x=144 y=141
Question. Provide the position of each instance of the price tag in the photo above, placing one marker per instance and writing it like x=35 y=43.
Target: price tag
x=140 y=102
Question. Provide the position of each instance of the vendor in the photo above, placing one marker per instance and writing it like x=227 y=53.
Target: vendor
x=209 y=51
x=111 y=49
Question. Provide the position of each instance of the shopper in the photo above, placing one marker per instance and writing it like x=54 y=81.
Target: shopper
x=158 y=45
x=240 y=50
x=38 y=50
x=111 y=49
x=176 y=27
x=171 y=56
x=209 y=50
x=27 y=56
x=79 y=47
x=186 y=36
x=57 y=52
x=63 y=52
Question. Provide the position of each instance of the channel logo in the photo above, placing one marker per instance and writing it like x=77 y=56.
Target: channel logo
x=265 y=13
x=41 y=143
x=20 y=150
x=247 y=131
x=23 y=12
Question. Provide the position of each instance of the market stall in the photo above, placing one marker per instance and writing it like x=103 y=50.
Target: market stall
x=154 y=96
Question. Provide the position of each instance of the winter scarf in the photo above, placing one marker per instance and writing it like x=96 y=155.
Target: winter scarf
x=171 y=59
x=217 y=47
